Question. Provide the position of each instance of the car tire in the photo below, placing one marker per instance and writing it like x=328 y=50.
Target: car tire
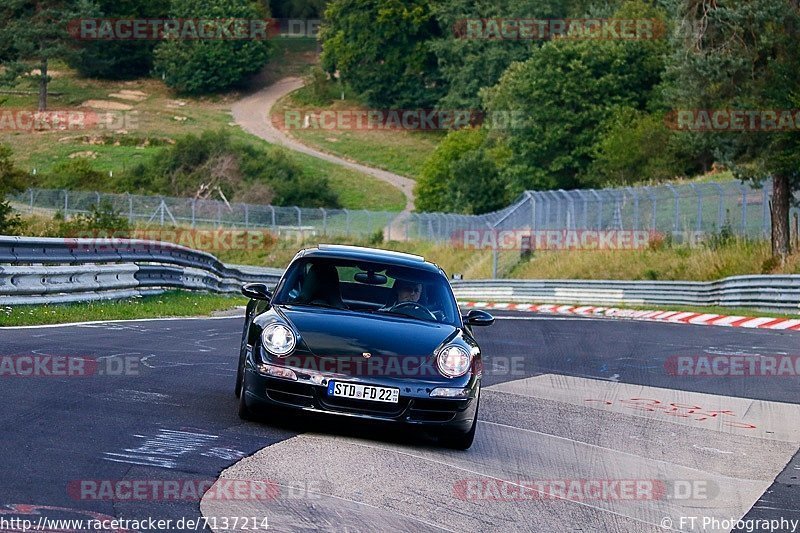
x=243 y=411
x=242 y=355
x=461 y=440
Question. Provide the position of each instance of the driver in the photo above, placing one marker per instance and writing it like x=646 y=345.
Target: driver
x=408 y=291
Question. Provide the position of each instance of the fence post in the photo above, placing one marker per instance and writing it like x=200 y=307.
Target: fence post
x=194 y=212
x=676 y=222
x=246 y=216
x=744 y=210
x=766 y=213
x=219 y=214
x=299 y=218
x=324 y=221
x=720 y=206
x=66 y=204
x=272 y=210
x=31 y=209
x=130 y=208
x=347 y=222
x=599 y=208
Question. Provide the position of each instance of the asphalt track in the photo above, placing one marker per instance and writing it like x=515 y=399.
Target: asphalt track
x=565 y=399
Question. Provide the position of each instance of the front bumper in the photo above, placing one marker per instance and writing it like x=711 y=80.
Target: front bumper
x=415 y=406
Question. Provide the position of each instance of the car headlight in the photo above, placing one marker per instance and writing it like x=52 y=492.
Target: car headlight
x=278 y=339
x=453 y=361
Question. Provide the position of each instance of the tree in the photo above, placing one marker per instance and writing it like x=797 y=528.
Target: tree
x=745 y=54
x=467 y=64
x=11 y=180
x=34 y=32
x=566 y=92
x=120 y=59
x=462 y=176
x=197 y=66
x=380 y=48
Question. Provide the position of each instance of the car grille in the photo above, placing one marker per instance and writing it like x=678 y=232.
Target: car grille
x=361 y=406
x=296 y=394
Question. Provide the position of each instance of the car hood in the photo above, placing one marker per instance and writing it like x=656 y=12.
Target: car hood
x=329 y=332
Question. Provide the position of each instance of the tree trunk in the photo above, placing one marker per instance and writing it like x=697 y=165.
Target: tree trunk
x=43 y=87
x=781 y=196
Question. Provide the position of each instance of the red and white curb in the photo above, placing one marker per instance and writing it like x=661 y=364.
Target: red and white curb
x=678 y=317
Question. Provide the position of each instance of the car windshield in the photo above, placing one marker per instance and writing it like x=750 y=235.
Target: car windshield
x=371 y=287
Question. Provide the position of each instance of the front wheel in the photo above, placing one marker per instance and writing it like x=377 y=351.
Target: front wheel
x=461 y=440
x=243 y=411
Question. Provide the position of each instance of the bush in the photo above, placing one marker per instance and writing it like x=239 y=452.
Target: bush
x=120 y=60
x=102 y=219
x=461 y=176
x=77 y=174
x=635 y=147
x=213 y=161
x=206 y=66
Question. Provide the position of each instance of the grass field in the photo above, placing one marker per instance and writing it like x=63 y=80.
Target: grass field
x=149 y=114
x=168 y=304
x=401 y=152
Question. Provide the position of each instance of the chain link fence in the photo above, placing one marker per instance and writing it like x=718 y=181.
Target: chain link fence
x=688 y=212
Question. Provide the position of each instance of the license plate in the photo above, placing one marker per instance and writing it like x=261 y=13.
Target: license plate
x=363 y=392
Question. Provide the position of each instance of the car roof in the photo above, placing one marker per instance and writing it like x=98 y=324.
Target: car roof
x=362 y=253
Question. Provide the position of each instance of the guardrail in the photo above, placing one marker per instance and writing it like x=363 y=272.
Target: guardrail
x=769 y=293
x=50 y=270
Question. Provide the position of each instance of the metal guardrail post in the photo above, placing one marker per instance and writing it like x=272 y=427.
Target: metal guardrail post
x=299 y=218
x=272 y=210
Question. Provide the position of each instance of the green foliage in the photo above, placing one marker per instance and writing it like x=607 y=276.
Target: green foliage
x=117 y=59
x=468 y=64
x=11 y=180
x=567 y=91
x=461 y=176
x=214 y=161
x=206 y=66
x=77 y=174
x=380 y=48
x=633 y=147
x=747 y=57
x=303 y=9
x=34 y=32
x=102 y=219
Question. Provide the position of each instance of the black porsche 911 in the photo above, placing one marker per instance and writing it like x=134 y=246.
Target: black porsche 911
x=364 y=333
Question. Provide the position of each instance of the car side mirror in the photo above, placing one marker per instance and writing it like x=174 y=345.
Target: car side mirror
x=257 y=291
x=477 y=317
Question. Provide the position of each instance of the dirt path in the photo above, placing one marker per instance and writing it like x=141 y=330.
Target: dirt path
x=253 y=114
